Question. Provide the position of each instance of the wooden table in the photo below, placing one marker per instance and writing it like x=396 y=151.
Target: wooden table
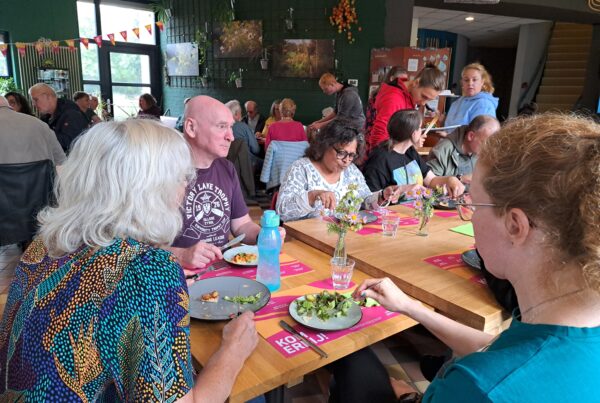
x=266 y=368
x=401 y=259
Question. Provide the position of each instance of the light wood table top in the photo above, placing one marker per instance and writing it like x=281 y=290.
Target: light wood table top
x=401 y=259
x=266 y=368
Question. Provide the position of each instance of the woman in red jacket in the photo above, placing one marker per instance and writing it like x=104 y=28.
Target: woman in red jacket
x=426 y=86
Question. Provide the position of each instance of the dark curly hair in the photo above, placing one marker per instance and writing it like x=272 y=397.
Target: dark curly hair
x=338 y=132
x=21 y=101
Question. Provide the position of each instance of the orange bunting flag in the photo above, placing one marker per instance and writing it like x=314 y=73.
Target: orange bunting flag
x=98 y=40
x=124 y=34
x=4 y=49
x=149 y=28
x=71 y=44
x=40 y=47
x=54 y=45
x=85 y=42
x=112 y=38
x=136 y=31
x=160 y=25
x=21 y=47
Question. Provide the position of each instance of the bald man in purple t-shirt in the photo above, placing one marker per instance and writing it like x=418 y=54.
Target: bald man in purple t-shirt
x=213 y=206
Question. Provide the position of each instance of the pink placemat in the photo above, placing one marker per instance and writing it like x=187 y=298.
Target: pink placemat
x=453 y=263
x=438 y=213
x=288 y=268
x=327 y=284
x=375 y=226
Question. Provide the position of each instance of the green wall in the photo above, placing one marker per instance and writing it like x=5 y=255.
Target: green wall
x=28 y=20
x=311 y=19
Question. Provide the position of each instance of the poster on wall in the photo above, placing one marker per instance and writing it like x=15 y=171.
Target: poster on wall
x=303 y=58
x=238 y=39
x=182 y=59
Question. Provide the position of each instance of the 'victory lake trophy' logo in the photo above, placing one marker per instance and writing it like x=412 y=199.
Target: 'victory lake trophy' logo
x=208 y=205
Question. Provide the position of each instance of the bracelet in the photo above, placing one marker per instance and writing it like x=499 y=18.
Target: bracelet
x=412 y=397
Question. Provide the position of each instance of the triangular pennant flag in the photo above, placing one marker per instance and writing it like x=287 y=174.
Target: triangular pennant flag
x=55 y=46
x=149 y=28
x=21 y=48
x=160 y=25
x=112 y=38
x=136 y=31
x=4 y=49
x=40 y=47
x=98 y=40
x=124 y=34
x=85 y=42
x=71 y=44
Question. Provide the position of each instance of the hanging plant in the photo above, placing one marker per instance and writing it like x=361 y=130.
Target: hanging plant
x=162 y=9
x=344 y=18
x=203 y=43
x=224 y=10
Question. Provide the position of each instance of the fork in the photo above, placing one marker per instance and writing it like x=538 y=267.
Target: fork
x=195 y=276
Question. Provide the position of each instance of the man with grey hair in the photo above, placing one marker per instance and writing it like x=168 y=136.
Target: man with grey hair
x=456 y=155
x=62 y=115
x=255 y=120
x=243 y=132
x=23 y=138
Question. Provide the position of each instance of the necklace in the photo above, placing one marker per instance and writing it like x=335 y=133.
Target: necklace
x=551 y=300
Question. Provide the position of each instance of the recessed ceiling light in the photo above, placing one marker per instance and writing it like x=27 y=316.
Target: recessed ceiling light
x=470 y=18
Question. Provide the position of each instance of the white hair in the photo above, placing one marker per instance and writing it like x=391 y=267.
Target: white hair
x=122 y=179
x=42 y=89
x=234 y=106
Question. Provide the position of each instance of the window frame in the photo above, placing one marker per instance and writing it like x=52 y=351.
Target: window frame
x=8 y=57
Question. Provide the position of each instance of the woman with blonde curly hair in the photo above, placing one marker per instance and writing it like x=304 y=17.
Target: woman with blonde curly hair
x=287 y=129
x=534 y=207
x=477 y=98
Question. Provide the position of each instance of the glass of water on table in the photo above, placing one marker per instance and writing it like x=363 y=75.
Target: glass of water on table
x=341 y=272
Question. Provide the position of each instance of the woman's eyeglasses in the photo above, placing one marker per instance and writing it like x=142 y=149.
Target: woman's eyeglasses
x=343 y=154
x=466 y=207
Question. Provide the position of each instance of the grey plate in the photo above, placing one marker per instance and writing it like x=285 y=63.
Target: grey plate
x=369 y=216
x=343 y=322
x=471 y=259
x=229 y=254
x=445 y=128
x=447 y=205
x=226 y=286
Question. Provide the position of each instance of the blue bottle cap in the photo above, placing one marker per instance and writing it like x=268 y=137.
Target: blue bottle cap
x=269 y=219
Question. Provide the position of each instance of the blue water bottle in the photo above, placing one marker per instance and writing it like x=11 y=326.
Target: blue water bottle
x=269 y=245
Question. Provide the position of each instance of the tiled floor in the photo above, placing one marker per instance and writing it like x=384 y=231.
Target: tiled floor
x=400 y=354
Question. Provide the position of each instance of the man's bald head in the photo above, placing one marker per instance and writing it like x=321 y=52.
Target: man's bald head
x=43 y=97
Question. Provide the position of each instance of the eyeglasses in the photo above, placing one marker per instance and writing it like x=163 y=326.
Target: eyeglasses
x=343 y=154
x=466 y=207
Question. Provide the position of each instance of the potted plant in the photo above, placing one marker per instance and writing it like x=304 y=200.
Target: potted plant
x=264 y=62
x=236 y=77
x=202 y=43
x=7 y=85
x=162 y=9
x=204 y=78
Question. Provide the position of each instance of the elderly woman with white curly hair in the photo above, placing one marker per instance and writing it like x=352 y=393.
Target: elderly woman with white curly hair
x=98 y=310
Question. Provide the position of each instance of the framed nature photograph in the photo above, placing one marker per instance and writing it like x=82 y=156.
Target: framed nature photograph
x=303 y=58
x=182 y=59
x=238 y=39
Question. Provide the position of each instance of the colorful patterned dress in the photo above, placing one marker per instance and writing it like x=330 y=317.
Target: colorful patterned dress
x=105 y=325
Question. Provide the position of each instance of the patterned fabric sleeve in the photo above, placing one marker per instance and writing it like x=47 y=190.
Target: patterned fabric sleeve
x=292 y=202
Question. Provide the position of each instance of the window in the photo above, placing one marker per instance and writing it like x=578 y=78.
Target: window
x=4 y=60
x=115 y=19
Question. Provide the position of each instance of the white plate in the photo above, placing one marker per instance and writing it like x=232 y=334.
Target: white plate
x=343 y=322
x=230 y=253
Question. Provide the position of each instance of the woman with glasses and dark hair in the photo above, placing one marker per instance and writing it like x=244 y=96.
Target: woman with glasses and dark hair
x=397 y=162
x=321 y=178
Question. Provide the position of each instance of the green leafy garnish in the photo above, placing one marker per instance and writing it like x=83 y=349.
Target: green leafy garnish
x=325 y=305
x=250 y=299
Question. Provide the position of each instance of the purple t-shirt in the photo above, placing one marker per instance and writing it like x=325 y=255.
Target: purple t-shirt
x=211 y=202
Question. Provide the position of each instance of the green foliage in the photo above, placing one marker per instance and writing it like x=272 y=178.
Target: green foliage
x=347 y=212
x=162 y=9
x=7 y=85
x=223 y=10
x=203 y=44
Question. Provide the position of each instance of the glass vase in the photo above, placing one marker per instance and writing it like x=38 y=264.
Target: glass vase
x=423 y=230
x=340 y=247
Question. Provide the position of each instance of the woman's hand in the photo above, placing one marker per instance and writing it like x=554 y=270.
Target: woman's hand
x=386 y=293
x=327 y=198
x=392 y=193
x=412 y=188
x=455 y=187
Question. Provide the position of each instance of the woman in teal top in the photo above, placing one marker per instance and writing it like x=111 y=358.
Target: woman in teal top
x=534 y=206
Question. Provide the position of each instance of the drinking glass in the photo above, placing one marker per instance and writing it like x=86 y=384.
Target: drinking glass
x=341 y=272
x=389 y=225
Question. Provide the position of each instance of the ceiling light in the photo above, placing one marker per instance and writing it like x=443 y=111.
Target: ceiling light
x=470 y=18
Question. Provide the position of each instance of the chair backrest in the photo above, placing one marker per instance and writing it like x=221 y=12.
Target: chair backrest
x=24 y=190
x=239 y=155
x=279 y=156
x=169 y=121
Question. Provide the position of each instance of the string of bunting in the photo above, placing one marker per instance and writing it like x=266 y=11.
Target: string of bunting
x=43 y=44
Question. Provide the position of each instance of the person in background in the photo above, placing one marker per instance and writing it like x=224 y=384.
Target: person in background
x=253 y=118
x=397 y=162
x=18 y=102
x=322 y=177
x=242 y=131
x=393 y=74
x=98 y=310
x=348 y=105
x=84 y=101
x=62 y=115
x=536 y=221
x=397 y=95
x=94 y=107
x=148 y=107
x=476 y=99
x=286 y=129
x=456 y=155
x=213 y=206
x=275 y=116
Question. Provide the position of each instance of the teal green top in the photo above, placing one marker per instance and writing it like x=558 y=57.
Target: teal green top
x=527 y=363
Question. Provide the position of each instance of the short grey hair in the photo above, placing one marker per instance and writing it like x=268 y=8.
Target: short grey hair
x=122 y=179
x=234 y=106
x=42 y=89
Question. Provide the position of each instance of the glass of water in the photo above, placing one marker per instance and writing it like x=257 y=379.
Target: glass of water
x=341 y=272
x=389 y=225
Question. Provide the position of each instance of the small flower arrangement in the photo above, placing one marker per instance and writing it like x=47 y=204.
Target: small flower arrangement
x=343 y=17
x=347 y=212
x=424 y=201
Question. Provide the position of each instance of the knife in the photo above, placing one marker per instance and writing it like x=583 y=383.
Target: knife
x=309 y=343
x=234 y=241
